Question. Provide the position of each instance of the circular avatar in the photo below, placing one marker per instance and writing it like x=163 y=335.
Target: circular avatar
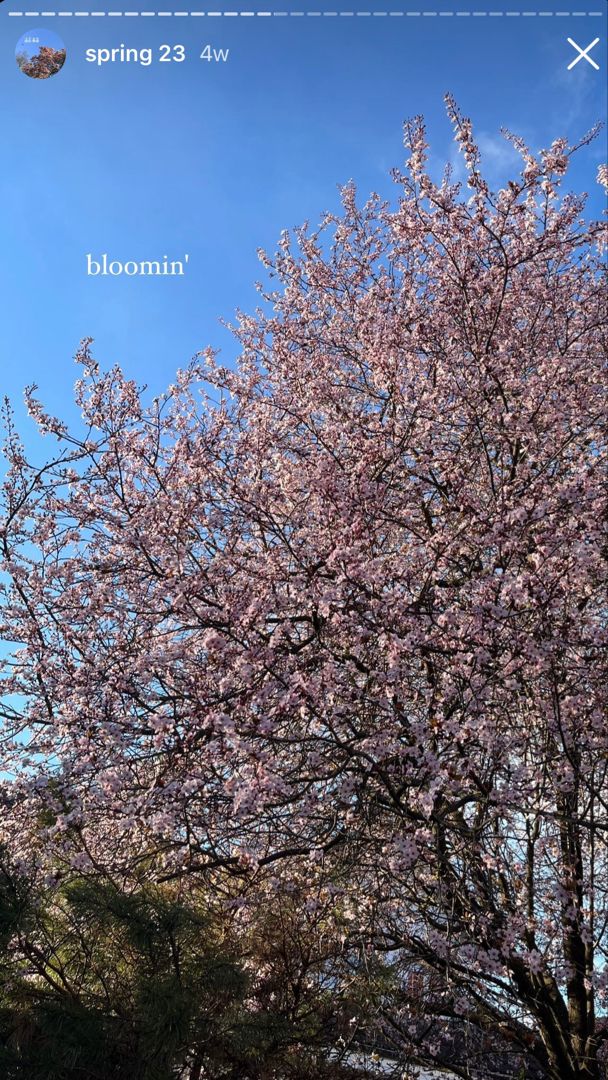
x=40 y=54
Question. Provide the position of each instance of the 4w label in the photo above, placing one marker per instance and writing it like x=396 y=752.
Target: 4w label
x=215 y=56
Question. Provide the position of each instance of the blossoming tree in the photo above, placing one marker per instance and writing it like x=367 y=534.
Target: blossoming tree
x=344 y=605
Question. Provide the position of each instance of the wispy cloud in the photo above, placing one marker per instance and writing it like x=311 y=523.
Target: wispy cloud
x=499 y=160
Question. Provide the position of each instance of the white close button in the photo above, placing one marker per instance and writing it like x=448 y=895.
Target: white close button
x=583 y=54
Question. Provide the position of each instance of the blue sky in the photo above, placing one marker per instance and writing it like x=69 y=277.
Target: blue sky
x=214 y=160
x=29 y=43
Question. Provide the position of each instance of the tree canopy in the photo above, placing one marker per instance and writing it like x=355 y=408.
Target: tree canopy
x=337 y=616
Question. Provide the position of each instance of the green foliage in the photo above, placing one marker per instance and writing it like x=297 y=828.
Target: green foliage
x=97 y=983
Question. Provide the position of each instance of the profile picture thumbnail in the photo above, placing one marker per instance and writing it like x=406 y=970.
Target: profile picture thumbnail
x=40 y=54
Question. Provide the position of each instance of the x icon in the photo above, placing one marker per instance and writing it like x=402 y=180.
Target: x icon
x=583 y=54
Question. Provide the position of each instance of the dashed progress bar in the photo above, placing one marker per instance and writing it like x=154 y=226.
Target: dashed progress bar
x=304 y=14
